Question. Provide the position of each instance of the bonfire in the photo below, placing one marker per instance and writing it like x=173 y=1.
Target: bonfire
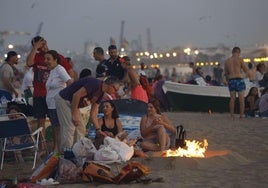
x=192 y=149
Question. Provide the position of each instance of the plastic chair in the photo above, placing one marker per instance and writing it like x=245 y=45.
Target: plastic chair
x=10 y=128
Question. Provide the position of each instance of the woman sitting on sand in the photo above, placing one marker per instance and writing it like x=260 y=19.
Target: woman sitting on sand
x=110 y=124
x=250 y=102
x=156 y=129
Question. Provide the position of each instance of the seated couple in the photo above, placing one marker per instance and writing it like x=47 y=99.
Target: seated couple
x=156 y=129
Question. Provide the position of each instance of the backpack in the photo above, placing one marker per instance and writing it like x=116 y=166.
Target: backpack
x=181 y=135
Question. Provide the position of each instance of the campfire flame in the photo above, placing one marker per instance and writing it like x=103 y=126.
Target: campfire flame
x=192 y=149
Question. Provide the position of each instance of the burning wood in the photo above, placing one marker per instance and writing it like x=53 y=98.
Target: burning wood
x=192 y=149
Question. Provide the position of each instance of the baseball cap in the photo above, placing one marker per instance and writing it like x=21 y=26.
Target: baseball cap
x=11 y=54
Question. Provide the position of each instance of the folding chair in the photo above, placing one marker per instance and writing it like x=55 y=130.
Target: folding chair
x=10 y=128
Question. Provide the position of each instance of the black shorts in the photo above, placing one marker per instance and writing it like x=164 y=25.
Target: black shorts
x=40 y=109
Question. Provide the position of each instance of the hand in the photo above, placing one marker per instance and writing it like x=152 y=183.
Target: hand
x=38 y=44
x=157 y=120
x=16 y=94
x=76 y=119
x=99 y=132
x=109 y=134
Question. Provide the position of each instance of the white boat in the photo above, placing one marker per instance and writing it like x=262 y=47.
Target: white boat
x=188 y=97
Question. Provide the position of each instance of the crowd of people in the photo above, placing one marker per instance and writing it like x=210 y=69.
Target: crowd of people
x=58 y=93
x=237 y=77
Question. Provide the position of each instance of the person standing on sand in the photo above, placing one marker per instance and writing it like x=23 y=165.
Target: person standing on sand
x=252 y=74
x=101 y=70
x=71 y=98
x=36 y=59
x=8 y=74
x=113 y=64
x=132 y=81
x=234 y=77
x=57 y=80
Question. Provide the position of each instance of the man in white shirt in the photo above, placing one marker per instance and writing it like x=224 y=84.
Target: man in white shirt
x=7 y=74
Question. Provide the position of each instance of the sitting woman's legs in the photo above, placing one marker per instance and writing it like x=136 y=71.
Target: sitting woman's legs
x=158 y=143
x=163 y=138
x=149 y=145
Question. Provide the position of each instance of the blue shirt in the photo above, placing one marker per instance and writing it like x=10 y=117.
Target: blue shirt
x=93 y=87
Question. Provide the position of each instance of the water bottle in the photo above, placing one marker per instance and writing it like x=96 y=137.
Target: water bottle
x=3 y=103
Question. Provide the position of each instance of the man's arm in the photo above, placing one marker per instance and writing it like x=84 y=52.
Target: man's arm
x=93 y=115
x=9 y=86
x=31 y=56
x=226 y=74
x=75 y=103
x=244 y=67
x=71 y=73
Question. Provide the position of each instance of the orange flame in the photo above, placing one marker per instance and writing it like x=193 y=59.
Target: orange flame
x=192 y=149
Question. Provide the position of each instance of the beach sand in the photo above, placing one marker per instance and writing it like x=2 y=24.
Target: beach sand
x=237 y=155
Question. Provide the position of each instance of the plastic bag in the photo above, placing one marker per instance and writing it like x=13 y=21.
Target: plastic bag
x=106 y=153
x=68 y=172
x=122 y=149
x=83 y=150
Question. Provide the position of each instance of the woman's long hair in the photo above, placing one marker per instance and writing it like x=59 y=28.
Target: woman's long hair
x=156 y=105
x=250 y=91
x=115 y=114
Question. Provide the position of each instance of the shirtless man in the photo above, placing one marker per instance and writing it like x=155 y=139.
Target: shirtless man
x=236 y=84
x=252 y=74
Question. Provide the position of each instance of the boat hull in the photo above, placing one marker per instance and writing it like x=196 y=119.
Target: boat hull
x=186 y=97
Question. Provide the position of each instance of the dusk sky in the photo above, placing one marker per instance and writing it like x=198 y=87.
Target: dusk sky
x=67 y=24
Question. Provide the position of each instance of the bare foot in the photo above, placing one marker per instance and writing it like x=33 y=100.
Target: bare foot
x=158 y=153
x=140 y=153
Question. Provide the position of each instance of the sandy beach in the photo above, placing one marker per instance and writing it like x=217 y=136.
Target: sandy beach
x=236 y=157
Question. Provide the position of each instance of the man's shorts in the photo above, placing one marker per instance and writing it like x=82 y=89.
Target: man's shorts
x=40 y=109
x=237 y=85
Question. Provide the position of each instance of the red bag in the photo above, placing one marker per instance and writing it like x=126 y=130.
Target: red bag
x=132 y=171
x=97 y=172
